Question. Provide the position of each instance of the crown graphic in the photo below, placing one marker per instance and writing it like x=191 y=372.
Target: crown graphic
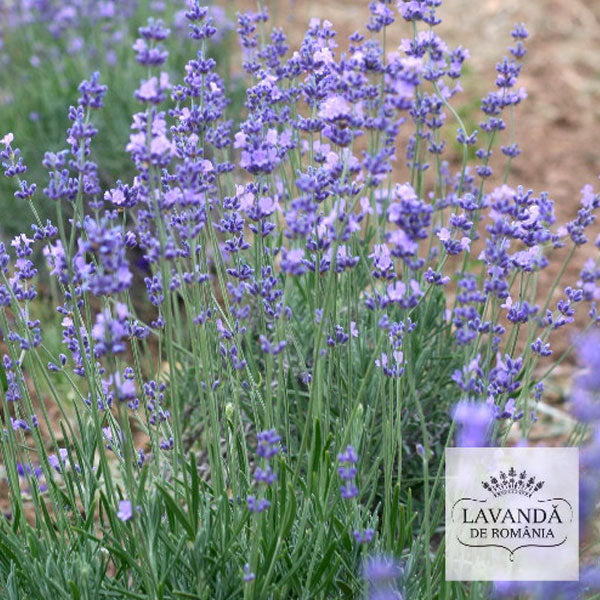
x=512 y=483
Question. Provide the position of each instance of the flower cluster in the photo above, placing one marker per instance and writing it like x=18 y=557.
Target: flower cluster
x=381 y=574
x=268 y=446
x=347 y=472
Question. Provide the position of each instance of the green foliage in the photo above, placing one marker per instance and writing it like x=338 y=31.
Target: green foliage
x=34 y=99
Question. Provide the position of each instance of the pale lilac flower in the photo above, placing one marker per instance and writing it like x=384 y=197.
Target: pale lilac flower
x=381 y=573
x=396 y=291
x=444 y=234
x=335 y=108
x=125 y=510
x=474 y=421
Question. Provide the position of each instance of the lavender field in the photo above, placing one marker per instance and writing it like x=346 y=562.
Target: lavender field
x=254 y=282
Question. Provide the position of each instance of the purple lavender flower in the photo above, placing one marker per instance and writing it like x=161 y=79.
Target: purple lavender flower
x=381 y=573
x=412 y=216
x=470 y=377
x=588 y=348
x=269 y=348
x=268 y=444
x=257 y=505
x=106 y=242
x=125 y=511
x=406 y=296
x=474 y=421
x=347 y=472
x=389 y=368
x=12 y=161
x=109 y=332
x=92 y=93
x=33 y=474
x=152 y=91
x=58 y=462
x=519 y=33
x=20 y=424
x=264 y=475
x=541 y=348
x=585 y=398
x=148 y=52
x=155 y=395
x=335 y=108
x=293 y=262
x=451 y=245
x=382 y=262
x=364 y=537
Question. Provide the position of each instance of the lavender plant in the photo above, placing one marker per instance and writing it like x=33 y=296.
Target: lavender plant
x=47 y=47
x=270 y=333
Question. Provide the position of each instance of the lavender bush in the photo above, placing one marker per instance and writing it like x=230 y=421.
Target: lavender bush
x=271 y=332
x=48 y=46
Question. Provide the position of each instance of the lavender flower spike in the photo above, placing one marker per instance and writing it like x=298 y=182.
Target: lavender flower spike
x=474 y=420
x=125 y=510
x=381 y=573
